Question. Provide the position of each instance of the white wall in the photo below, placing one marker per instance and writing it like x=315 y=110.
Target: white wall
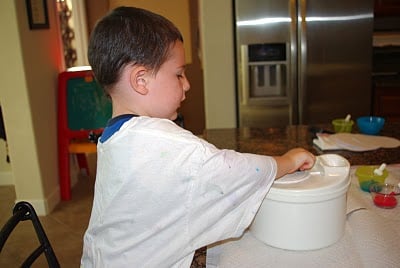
x=6 y=177
x=217 y=53
x=31 y=61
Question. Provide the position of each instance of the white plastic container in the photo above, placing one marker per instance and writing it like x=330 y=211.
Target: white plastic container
x=306 y=210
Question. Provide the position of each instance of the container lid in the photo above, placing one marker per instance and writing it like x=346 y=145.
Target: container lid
x=328 y=179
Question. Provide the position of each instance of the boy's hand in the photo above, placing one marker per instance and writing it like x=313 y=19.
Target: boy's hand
x=295 y=159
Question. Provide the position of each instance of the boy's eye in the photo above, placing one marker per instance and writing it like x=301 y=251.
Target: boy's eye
x=180 y=74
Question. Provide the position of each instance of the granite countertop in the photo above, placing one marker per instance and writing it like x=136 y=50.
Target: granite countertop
x=277 y=141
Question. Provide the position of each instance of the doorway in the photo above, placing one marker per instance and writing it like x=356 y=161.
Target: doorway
x=74 y=31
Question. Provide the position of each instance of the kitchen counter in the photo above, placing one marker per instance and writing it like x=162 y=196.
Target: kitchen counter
x=276 y=141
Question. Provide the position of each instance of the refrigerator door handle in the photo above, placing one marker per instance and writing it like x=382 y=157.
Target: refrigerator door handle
x=302 y=58
x=244 y=74
x=292 y=77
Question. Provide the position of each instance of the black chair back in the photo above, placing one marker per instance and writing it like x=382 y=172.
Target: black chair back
x=24 y=211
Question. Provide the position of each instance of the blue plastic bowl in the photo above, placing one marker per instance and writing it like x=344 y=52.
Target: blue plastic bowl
x=370 y=125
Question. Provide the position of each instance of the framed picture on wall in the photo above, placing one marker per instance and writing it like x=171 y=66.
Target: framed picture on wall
x=38 y=16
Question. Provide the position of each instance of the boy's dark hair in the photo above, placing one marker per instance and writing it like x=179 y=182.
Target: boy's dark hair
x=129 y=35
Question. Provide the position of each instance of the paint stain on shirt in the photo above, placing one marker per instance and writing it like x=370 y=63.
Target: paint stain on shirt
x=163 y=154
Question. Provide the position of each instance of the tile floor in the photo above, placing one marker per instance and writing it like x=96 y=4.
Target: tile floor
x=64 y=227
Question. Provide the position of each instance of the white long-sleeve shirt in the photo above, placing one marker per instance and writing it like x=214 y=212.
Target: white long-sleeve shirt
x=161 y=193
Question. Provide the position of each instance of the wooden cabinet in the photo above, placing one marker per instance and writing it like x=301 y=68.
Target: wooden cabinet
x=387 y=8
x=387 y=102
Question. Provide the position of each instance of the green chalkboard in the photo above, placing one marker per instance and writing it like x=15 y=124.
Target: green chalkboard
x=87 y=105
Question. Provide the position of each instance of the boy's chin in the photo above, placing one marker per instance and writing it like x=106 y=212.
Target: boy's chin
x=174 y=117
x=178 y=120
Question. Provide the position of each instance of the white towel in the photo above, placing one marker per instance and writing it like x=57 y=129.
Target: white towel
x=354 y=142
x=250 y=252
x=375 y=240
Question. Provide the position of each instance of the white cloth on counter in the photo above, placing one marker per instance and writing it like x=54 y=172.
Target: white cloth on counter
x=354 y=142
x=371 y=239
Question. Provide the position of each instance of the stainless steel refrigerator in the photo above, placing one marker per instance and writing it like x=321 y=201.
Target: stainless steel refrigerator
x=302 y=62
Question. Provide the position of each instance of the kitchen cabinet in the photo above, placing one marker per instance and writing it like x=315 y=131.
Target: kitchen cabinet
x=386 y=82
x=387 y=7
x=387 y=102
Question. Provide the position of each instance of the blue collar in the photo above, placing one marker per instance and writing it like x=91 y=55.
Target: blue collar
x=113 y=125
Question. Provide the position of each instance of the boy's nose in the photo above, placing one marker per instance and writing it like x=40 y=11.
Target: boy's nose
x=186 y=85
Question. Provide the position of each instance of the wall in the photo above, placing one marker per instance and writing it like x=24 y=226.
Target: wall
x=217 y=60
x=31 y=62
x=193 y=107
x=95 y=9
x=6 y=177
x=216 y=30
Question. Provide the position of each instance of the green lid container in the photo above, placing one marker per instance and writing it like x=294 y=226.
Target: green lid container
x=367 y=177
x=341 y=125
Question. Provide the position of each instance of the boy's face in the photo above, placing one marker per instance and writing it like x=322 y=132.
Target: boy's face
x=167 y=88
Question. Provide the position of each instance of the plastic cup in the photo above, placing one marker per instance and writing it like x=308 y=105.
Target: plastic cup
x=385 y=195
x=341 y=125
x=367 y=177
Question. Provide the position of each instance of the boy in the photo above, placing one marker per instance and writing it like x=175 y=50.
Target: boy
x=161 y=192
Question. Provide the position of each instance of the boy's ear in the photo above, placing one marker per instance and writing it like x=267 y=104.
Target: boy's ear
x=138 y=80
